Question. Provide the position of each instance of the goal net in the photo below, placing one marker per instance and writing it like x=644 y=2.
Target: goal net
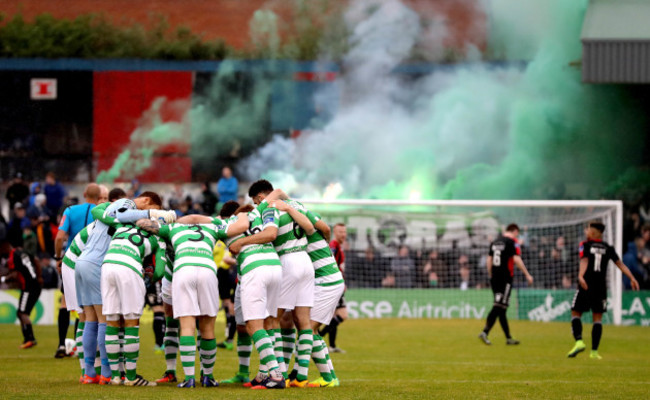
x=427 y=259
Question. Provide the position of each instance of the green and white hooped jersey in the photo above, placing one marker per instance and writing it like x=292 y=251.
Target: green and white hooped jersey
x=257 y=255
x=193 y=244
x=291 y=238
x=77 y=246
x=326 y=271
x=130 y=245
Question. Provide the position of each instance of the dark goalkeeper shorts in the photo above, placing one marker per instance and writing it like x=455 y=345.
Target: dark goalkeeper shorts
x=226 y=284
x=585 y=300
x=27 y=300
x=501 y=292
x=154 y=294
x=341 y=303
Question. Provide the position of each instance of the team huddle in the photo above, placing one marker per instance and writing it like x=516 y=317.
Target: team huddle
x=288 y=281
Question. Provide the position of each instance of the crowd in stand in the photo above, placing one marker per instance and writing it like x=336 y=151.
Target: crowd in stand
x=550 y=258
x=35 y=209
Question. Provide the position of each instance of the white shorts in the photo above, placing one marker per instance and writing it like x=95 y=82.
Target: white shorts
x=259 y=292
x=326 y=299
x=166 y=291
x=297 y=281
x=70 y=289
x=123 y=292
x=196 y=292
x=239 y=314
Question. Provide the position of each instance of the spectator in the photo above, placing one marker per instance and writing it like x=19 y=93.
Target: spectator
x=227 y=186
x=209 y=200
x=463 y=273
x=34 y=190
x=365 y=271
x=635 y=257
x=402 y=270
x=568 y=283
x=38 y=237
x=135 y=189
x=176 y=197
x=434 y=271
x=18 y=191
x=15 y=229
x=39 y=209
x=55 y=192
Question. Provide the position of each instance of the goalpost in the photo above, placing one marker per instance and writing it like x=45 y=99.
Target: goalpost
x=441 y=271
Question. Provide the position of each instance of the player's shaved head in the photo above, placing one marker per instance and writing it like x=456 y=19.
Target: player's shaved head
x=116 y=194
x=103 y=194
x=92 y=192
x=228 y=209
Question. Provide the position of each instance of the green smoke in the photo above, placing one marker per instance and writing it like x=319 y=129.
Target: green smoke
x=521 y=130
x=527 y=129
x=152 y=133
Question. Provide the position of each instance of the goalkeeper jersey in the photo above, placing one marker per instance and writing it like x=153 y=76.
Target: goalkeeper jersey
x=77 y=246
x=256 y=255
x=326 y=271
x=130 y=245
x=194 y=244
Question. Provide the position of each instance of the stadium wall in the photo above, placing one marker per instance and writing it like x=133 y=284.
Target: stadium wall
x=546 y=305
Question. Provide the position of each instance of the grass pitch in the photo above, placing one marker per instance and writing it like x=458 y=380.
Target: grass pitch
x=392 y=359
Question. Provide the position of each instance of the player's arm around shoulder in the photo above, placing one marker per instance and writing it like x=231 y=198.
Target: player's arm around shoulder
x=267 y=235
x=148 y=225
x=296 y=215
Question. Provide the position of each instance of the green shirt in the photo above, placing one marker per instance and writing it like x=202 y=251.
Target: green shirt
x=78 y=245
x=193 y=244
x=130 y=245
x=256 y=255
x=326 y=271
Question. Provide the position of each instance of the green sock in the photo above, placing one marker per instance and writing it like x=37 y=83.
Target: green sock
x=131 y=350
x=208 y=354
x=113 y=349
x=244 y=350
x=188 y=355
x=305 y=344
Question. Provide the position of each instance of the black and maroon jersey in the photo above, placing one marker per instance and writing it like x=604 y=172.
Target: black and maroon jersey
x=26 y=268
x=502 y=252
x=599 y=254
x=337 y=252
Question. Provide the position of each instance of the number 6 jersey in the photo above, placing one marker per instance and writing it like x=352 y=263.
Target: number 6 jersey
x=502 y=252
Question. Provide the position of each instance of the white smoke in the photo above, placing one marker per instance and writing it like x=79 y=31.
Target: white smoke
x=474 y=129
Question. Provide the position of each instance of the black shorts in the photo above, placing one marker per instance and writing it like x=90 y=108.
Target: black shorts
x=341 y=303
x=585 y=300
x=502 y=291
x=226 y=284
x=27 y=300
x=154 y=294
